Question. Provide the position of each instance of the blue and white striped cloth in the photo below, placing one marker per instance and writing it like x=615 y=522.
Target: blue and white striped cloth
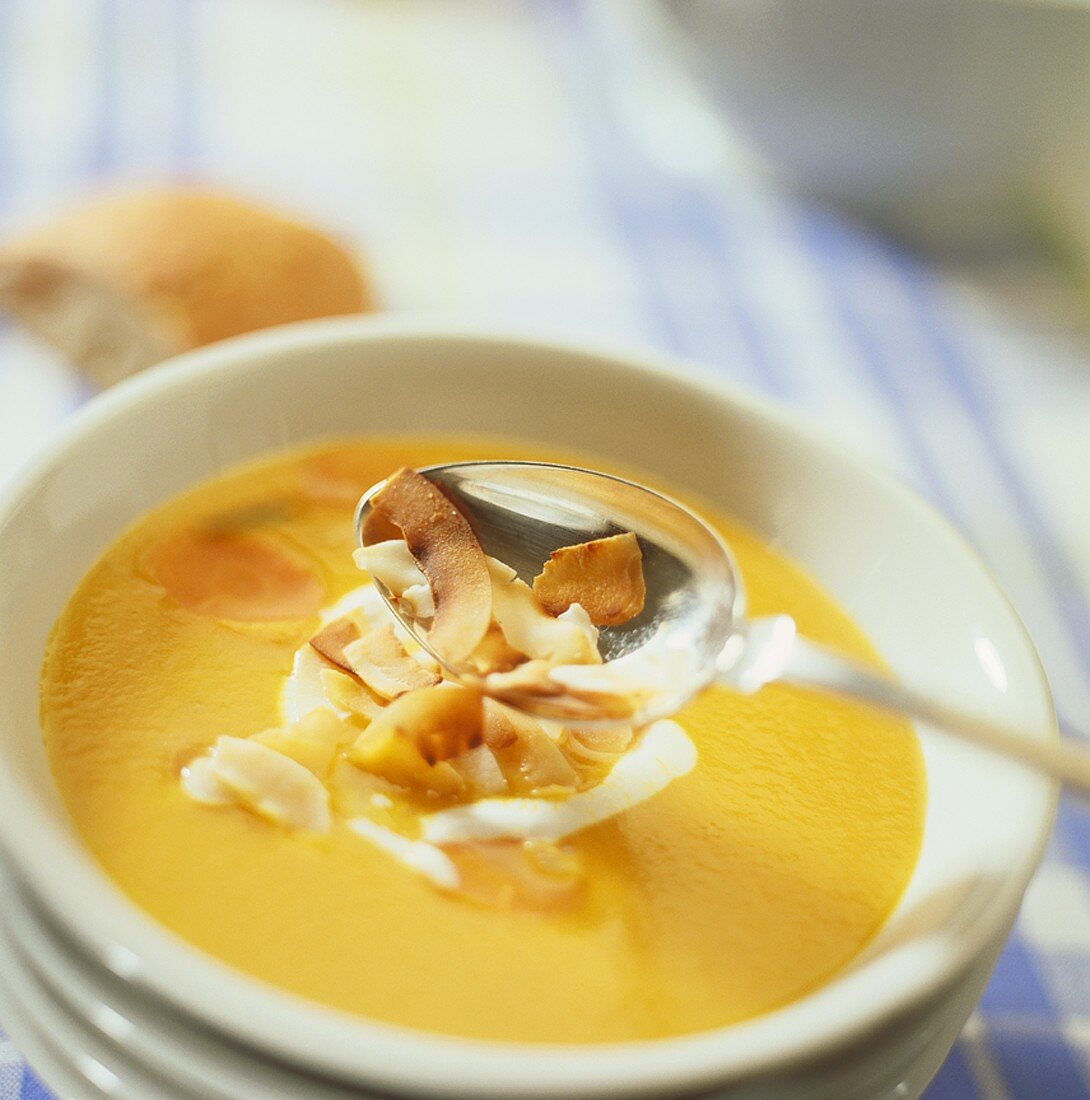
x=501 y=161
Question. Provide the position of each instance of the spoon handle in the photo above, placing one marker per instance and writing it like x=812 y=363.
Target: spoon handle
x=785 y=657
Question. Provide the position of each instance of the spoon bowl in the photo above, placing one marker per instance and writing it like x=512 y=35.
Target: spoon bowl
x=522 y=511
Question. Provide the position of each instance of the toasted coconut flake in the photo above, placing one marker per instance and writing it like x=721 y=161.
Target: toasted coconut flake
x=663 y=753
x=348 y=695
x=447 y=551
x=270 y=784
x=604 y=576
x=425 y=660
x=302 y=690
x=377 y=527
x=412 y=739
x=616 y=693
x=624 y=685
x=353 y=791
x=481 y=772
x=362 y=605
x=313 y=741
x=236 y=575
x=578 y=617
x=529 y=758
x=572 y=707
x=531 y=679
x=498 y=730
x=425 y=859
x=381 y=663
x=391 y=564
x=608 y=679
x=399 y=760
x=533 y=685
x=494 y=654
x=529 y=630
x=375 y=656
x=595 y=751
x=418 y=601
x=202 y=784
x=331 y=641
x=603 y=741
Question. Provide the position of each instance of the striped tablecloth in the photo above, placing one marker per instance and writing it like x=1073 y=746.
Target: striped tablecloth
x=498 y=161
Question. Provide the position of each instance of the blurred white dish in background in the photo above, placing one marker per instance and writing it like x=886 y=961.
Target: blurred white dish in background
x=949 y=122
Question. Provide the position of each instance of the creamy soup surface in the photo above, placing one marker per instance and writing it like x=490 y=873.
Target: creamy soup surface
x=740 y=887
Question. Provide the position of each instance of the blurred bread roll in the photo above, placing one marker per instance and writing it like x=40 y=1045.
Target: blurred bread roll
x=127 y=280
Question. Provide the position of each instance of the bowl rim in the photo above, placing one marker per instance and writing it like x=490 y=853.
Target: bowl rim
x=51 y=864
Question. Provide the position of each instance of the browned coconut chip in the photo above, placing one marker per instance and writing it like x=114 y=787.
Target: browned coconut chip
x=379 y=659
x=531 y=680
x=607 y=741
x=532 y=683
x=412 y=740
x=604 y=576
x=595 y=751
x=347 y=694
x=374 y=657
x=494 y=654
x=529 y=758
x=378 y=528
x=480 y=772
x=499 y=731
x=234 y=575
x=331 y=640
x=447 y=551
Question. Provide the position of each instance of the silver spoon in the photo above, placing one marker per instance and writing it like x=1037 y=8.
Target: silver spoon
x=695 y=608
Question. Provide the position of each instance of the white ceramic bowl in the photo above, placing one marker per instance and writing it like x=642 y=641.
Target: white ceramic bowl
x=912 y=583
